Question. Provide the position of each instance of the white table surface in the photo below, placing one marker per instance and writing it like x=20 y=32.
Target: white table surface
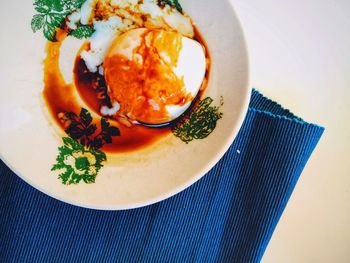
x=300 y=56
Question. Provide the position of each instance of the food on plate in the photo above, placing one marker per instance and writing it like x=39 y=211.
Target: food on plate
x=141 y=66
x=139 y=74
x=153 y=75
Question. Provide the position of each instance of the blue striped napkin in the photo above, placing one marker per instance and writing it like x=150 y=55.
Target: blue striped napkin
x=228 y=216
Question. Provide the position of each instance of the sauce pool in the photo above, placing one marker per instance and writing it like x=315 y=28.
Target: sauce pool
x=60 y=97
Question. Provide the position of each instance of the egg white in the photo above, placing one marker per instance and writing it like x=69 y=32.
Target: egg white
x=191 y=63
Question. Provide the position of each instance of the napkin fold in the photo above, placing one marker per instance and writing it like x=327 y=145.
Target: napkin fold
x=228 y=216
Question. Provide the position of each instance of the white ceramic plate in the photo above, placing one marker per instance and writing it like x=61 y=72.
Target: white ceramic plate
x=29 y=139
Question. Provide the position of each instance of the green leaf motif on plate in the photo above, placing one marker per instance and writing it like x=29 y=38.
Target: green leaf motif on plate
x=199 y=123
x=52 y=14
x=80 y=158
x=173 y=3
x=37 y=22
x=77 y=163
x=82 y=32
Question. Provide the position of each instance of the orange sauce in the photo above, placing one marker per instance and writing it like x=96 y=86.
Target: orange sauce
x=58 y=94
x=145 y=85
x=60 y=98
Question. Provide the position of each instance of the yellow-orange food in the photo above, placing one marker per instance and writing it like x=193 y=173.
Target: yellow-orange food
x=60 y=98
x=58 y=94
x=145 y=84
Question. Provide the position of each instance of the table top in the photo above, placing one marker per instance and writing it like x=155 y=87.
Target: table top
x=299 y=55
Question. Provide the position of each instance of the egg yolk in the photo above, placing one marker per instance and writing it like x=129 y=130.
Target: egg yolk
x=145 y=83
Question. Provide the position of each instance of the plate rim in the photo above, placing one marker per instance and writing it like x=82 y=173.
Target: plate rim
x=195 y=178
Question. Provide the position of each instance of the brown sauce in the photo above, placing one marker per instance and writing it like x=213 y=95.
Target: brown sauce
x=60 y=98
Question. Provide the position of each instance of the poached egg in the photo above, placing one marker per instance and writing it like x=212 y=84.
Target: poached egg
x=153 y=74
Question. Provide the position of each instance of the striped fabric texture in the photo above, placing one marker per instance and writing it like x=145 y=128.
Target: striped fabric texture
x=228 y=216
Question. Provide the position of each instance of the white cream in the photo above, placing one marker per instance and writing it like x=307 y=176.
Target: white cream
x=86 y=11
x=151 y=9
x=107 y=30
x=83 y=16
x=101 y=39
x=179 y=22
x=124 y=3
x=173 y=18
x=101 y=70
x=105 y=111
x=73 y=20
